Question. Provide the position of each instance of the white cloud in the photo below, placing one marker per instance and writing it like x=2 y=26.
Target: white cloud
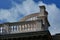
x=6 y=14
x=28 y=7
x=53 y=17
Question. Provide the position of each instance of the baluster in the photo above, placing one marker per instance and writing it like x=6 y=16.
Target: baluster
x=31 y=26
x=36 y=26
x=1 y=30
x=28 y=27
x=20 y=27
x=13 y=28
x=17 y=27
x=34 y=29
x=25 y=27
x=9 y=29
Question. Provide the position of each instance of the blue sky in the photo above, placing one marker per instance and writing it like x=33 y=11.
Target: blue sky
x=14 y=10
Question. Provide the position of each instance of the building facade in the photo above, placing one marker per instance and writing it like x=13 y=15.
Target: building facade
x=31 y=27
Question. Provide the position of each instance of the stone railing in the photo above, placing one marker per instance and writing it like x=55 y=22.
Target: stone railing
x=21 y=27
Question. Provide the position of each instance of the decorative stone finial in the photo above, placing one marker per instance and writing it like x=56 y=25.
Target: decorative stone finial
x=42 y=7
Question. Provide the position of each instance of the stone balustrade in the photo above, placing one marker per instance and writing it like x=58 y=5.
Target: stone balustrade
x=21 y=27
